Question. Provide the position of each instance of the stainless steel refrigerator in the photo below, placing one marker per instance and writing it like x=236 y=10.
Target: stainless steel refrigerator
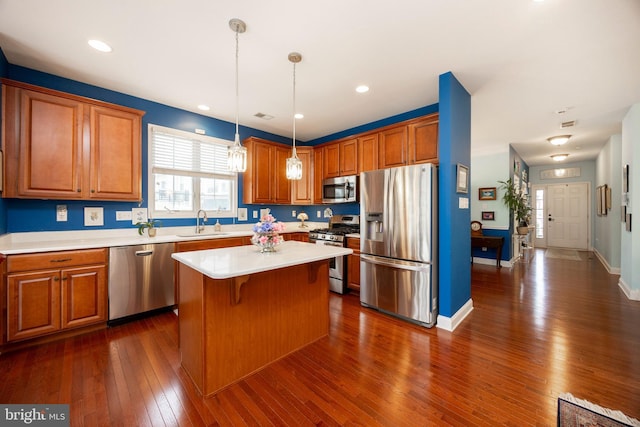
x=399 y=242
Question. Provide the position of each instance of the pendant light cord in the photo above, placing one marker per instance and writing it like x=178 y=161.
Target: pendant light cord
x=237 y=137
x=294 y=111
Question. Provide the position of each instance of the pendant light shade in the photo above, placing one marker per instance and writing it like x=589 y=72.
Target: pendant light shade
x=237 y=154
x=294 y=164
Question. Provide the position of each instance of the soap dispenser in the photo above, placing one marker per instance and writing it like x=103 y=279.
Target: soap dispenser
x=217 y=226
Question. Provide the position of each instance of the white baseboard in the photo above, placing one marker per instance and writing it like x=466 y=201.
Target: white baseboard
x=632 y=294
x=603 y=261
x=451 y=323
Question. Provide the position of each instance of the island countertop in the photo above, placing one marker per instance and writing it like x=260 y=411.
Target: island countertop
x=237 y=261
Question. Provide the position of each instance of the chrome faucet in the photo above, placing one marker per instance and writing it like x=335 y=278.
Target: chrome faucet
x=200 y=228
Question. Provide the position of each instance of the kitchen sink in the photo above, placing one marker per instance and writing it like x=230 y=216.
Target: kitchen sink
x=211 y=233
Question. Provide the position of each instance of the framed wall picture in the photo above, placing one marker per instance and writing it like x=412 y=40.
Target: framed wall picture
x=625 y=179
x=488 y=216
x=628 y=222
x=462 y=179
x=598 y=200
x=487 y=193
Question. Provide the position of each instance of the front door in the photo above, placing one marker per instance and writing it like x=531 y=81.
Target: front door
x=568 y=216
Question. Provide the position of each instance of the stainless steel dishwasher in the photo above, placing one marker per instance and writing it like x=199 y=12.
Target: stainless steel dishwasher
x=140 y=279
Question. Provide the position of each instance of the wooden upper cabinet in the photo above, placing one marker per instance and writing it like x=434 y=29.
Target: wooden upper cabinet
x=392 y=145
x=43 y=144
x=265 y=180
x=340 y=158
x=282 y=186
x=368 y=152
x=116 y=171
x=423 y=140
x=302 y=190
x=63 y=146
x=349 y=157
x=318 y=175
x=331 y=160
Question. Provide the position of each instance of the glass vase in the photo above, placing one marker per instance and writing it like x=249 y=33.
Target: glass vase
x=267 y=242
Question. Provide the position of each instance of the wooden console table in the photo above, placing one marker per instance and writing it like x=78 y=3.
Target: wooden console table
x=488 y=242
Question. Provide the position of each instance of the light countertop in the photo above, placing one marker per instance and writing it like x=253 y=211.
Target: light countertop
x=49 y=241
x=236 y=261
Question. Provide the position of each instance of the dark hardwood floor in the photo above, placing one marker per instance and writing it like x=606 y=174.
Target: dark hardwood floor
x=537 y=330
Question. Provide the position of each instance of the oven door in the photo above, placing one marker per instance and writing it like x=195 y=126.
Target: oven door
x=337 y=276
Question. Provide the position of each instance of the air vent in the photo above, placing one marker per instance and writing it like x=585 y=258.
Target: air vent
x=263 y=116
x=568 y=124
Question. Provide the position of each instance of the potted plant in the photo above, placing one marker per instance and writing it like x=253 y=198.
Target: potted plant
x=151 y=225
x=517 y=203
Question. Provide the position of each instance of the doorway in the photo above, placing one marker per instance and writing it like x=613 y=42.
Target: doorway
x=561 y=215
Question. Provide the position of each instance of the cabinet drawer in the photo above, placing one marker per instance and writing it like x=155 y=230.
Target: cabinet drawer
x=46 y=260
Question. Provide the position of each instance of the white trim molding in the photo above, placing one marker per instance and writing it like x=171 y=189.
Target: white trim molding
x=451 y=323
x=632 y=294
x=603 y=261
x=491 y=261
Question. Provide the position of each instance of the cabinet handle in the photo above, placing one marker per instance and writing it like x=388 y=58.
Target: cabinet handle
x=64 y=278
x=93 y=191
x=56 y=279
x=61 y=260
x=79 y=190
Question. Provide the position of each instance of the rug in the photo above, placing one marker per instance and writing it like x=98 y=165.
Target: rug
x=567 y=254
x=574 y=412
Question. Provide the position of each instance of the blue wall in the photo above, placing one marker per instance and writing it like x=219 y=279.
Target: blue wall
x=18 y=215
x=454 y=147
x=4 y=70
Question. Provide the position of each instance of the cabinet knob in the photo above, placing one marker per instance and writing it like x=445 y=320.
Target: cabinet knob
x=93 y=191
x=78 y=190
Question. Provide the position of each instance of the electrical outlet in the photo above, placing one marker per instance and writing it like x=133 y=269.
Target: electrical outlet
x=293 y=214
x=61 y=213
x=242 y=214
x=318 y=214
x=255 y=214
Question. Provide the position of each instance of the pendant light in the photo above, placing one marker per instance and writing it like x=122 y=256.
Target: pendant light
x=237 y=154
x=294 y=165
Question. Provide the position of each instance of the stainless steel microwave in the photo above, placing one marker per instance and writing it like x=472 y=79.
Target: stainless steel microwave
x=342 y=189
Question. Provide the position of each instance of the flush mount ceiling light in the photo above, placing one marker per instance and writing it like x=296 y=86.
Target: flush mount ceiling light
x=559 y=139
x=294 y=164
x=203 y=107
x=559 y=157
x=100 y=45
x=237 y=154
x=362 y=89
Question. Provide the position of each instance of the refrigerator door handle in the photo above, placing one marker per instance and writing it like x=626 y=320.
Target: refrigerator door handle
x=394 y=263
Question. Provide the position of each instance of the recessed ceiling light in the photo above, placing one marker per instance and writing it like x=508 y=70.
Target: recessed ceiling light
x=362 y=89
x=559 y=157
x=559 y=139
x=203 y=107
x=299 y=116
x=100 y=45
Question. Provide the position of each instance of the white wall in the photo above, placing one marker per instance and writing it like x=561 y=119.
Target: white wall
x=630 y=241
x=607 y=234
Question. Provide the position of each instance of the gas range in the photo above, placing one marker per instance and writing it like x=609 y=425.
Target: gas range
x=339 y=226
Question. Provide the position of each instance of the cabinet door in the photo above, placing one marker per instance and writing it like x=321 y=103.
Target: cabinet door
x=331 y=160
x=368 y=153
x=115 y=155
x=84 y=296
x=33 y=304
x=302 y=190
x=423 y=141
x=393 y=147
x=353 y=264
x=261 y=172
x=50 y=146
x=281 y=184
x=318 y=175
x=349 y=157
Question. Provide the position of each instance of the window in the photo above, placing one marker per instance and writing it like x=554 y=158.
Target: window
x=539 y=214
x=188 y=172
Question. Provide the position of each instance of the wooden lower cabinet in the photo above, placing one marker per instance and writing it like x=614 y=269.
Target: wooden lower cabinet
x=353 y=264
x=46 y=301
x=301 y=236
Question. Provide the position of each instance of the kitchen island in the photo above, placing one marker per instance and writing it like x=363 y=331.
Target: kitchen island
x=240 y=310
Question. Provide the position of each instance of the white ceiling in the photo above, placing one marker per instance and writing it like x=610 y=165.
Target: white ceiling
x=520 y=60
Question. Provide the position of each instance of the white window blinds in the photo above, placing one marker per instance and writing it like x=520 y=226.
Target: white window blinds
x=184 y=155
